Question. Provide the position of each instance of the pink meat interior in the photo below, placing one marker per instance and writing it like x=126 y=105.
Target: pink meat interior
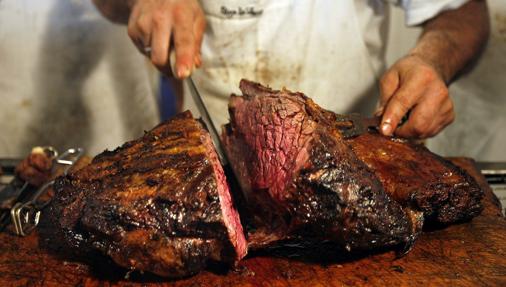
x=276 y=131
x=230 y=214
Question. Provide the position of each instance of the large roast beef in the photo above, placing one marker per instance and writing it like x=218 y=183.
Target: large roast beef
x=302 y=178
x=160 y=203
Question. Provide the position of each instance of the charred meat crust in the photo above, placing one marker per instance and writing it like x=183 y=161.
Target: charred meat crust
x=318 y=184
x=341 y=199
x=154 y=204
x=420 y=179
x=289 y=157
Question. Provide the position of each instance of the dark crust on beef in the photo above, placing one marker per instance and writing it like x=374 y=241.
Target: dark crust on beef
x=341 y=199
x=340 y=193
x=328 y=194
x=151 y=204
x=418 y=178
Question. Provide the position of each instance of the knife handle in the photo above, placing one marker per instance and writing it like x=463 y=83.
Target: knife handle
x=9 y=164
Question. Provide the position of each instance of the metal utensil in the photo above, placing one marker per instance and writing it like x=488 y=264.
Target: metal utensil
x=17 y=189
x=353 y=125
x=206 y=118
x=26 y=215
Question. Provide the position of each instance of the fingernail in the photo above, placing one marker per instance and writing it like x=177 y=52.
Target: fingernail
x=386 y=127
x=183 y=72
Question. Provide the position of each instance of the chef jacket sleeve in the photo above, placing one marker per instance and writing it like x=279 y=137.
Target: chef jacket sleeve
x=419 y=11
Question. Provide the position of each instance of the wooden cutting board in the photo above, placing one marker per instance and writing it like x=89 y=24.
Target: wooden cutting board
x=467 y=254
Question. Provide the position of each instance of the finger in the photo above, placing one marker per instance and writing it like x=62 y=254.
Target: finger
x=144 y=25
x=399 y=104
x=184 y=43
x=431 y=112
x=446 y=118
x=132 y=20
x=389 y=84
x=140 y=30
x=199 y=27
x=420 y=123
x=445 y=113
x=160 y=41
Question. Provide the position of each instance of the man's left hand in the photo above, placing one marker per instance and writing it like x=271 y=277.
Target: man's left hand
x=415 y=86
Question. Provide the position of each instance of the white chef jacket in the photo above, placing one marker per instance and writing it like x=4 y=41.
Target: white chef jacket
x=69 y=77
x=333 y=51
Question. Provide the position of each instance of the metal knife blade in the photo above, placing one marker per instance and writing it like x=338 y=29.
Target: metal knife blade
x=206 y=118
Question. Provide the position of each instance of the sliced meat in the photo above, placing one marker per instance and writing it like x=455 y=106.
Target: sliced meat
x=160 y=203
x=300 y=177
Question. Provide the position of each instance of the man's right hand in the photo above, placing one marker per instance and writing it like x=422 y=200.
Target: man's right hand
x=155 y=25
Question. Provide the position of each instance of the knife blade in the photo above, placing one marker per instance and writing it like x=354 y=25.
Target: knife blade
x=204 y=113
x=206 y=118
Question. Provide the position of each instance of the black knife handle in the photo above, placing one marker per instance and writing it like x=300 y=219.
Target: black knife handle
x=8 y=165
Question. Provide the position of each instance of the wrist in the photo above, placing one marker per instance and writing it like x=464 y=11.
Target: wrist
x=434 y=64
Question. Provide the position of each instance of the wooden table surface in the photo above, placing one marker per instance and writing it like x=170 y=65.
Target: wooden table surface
x=467 y=254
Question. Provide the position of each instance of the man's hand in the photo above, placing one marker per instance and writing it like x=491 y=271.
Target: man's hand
x=155 y=25
x=418 y=83
x=415 y=86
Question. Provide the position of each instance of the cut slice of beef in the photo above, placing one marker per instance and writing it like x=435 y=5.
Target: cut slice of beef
x=160 y=203
x=301 y=178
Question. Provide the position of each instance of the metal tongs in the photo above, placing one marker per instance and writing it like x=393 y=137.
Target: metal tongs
x=26 y=215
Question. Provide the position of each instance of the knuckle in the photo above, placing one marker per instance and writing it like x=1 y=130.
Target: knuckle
x=180 y=13
x=159 y=18
x=442 y=91
x=143 y=26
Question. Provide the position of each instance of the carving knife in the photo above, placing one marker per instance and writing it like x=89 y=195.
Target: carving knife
x=206 y=118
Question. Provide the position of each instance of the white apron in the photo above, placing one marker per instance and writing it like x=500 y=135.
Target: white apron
x=69 y=77
x=330 y=50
